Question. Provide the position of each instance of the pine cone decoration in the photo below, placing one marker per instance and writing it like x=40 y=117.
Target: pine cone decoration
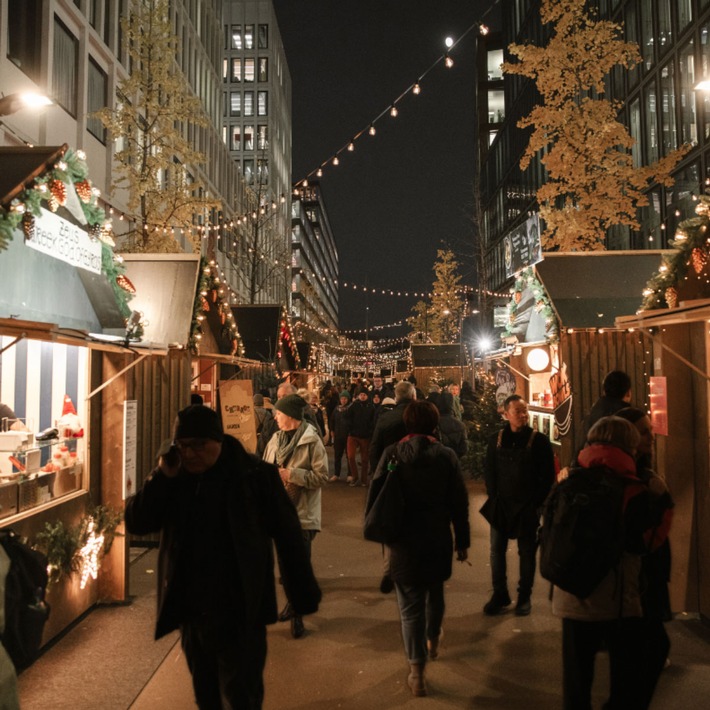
x=59 y=191
x=671 y=297
x=28 y=225
x=83 y=189
x=699 y=257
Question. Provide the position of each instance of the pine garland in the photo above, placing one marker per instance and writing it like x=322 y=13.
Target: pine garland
x=692 y=246
x=526 y=279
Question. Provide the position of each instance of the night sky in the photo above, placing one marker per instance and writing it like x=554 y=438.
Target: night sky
x=406 y=191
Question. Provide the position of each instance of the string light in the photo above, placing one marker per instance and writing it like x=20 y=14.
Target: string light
x=394 y=112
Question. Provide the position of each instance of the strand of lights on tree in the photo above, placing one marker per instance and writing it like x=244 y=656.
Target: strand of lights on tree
x=392 y=110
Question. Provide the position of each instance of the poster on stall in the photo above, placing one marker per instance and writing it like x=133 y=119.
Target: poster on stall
x=659 y=405
x=522 y=247
x=130 y=446
x=237 y=406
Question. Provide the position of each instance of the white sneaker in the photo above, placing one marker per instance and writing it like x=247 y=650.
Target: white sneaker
x=349 y=480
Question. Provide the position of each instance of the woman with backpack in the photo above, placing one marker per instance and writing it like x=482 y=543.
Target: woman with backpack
x=420 y=560
x=611 y=615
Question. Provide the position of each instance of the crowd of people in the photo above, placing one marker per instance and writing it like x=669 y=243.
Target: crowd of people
x=208 y=493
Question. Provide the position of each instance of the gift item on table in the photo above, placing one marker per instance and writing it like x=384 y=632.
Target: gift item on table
x=69 y=424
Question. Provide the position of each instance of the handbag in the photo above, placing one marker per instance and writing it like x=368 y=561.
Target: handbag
x=384 y=519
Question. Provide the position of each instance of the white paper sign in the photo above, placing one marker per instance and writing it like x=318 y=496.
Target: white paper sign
x=130 y=446
x=60 y=239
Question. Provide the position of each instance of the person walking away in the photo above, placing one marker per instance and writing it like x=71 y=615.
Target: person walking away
x=435 y=499
x=298 y=451
x=331 y=400
x=219 y=511
x=340 y=426
x=519 y=471
x=361 y=420
x=390 y=425
x=612 y=615
x=452 y=431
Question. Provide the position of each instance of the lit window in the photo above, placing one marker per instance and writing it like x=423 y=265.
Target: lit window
x=248 y=36
x=235 y=103
x=236 y=36
x=249 y=70
x=263 y=69
x=236 y=138
x=248 y=103
x=263 y=36
x=236 y=70
x=263 y=103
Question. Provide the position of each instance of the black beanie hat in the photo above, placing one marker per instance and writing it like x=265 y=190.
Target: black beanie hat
x=198 y=422
x=292 y=406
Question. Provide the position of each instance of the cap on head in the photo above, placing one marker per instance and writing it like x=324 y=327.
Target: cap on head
x=292 y=406
x=345 y=394
x=198 y=422
x=258 y=400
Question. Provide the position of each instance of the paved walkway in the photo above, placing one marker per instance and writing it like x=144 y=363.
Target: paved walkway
x=351 y=656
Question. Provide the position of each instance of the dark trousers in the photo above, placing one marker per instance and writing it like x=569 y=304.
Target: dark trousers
x=527 y=547
x=339 y=445
x=637 y=651
x=226 y=663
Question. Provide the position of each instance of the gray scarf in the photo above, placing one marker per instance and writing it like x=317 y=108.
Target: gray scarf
x=287 y=443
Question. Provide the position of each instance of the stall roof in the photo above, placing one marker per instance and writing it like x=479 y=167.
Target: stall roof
x=22 y=164
x=259 y=329
x=687 y=312
x=165 y=294
x=592 y=289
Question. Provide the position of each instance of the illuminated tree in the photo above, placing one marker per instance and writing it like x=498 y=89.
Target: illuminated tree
x=439 y=318
x=592 y=183
x=154 y=114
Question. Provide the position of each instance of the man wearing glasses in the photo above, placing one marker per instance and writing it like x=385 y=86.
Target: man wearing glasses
x=218 y=510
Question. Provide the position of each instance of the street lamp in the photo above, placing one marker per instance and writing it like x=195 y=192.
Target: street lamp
x=12 y=103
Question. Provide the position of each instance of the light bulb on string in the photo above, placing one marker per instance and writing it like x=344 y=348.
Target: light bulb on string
x=448 y=61
x=394 y=112
x=351 y=146
x=336 y=160
x=372 y=130
x=416 y=89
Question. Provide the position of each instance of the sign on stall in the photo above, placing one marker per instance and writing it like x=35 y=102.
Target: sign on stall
x=130 y=446
x=236 y=398
x=57 y=237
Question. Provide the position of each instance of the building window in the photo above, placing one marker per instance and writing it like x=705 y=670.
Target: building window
x=685 y=13
x=263 y=69
x=263 y=137
x=236 y=70
x=248 y=171
x=688 y=118
x=264 y=36
x=65 y=63
x=635 y=131
x=632 y=36
x=647 y=38
x=236 y=143
x=496 y=107
x=236 y=36
x=248 y=36
x=97 y=98
x=665 y=30
x=248 y=103
x=494 y=60
x=262 y=171
x=705 y=64
x=24 y=25
x=248 y=137
x=249 y=70
x=651 y=124
x=235 y=103
x=669 y=124
x=225 y=70
x=262 y=103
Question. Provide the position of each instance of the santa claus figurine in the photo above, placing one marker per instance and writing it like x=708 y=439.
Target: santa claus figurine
x=68 y=424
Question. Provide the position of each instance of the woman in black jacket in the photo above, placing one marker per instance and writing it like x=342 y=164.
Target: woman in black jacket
x=435 y=497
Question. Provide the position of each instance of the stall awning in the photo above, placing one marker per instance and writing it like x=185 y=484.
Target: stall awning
x=165 y=294
x=22 y=164
x=259 y=329
x=592 y=289
x=687 y=312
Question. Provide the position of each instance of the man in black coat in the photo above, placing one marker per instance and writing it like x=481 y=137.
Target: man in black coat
x=519 y=472
x=390 y=426
x=219 y=511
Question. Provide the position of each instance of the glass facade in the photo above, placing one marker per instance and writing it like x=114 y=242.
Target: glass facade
x=659 y=106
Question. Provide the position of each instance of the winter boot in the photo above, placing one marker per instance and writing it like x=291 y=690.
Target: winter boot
x=416 y=680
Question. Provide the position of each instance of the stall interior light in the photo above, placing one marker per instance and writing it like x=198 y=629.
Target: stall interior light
x=538 y=359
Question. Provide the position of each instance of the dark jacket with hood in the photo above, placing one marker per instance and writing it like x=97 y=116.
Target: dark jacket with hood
x=452 y=431
x=435 y=499
x=248 y=496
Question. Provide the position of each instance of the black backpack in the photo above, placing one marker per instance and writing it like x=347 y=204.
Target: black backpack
x=26 y=612
x=582 y=533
